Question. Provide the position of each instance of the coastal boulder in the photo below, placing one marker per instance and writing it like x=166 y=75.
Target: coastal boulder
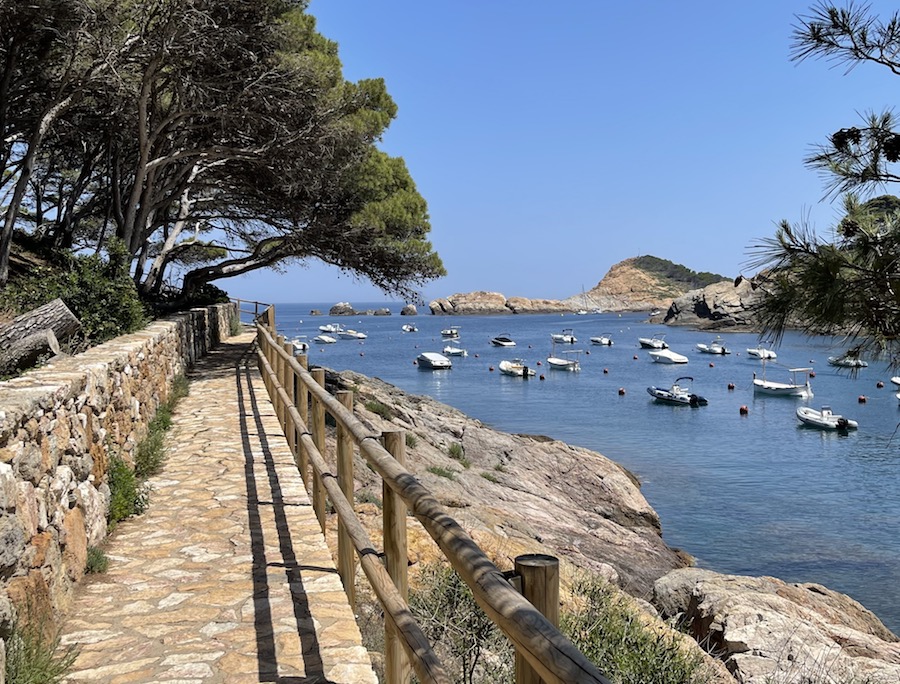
x=409 y=310
x=524 y=305
x=472 y=303
x=716 y=307
x=341 y=309
x=767 y=630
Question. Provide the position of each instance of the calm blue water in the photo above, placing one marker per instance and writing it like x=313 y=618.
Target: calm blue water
x=752 y=494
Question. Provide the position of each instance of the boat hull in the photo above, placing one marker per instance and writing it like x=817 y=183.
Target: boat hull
x=667 y=356
x=433 y=361
x=781 y=389
x=824 y=419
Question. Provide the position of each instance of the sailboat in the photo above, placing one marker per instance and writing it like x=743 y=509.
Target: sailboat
x=583 y=310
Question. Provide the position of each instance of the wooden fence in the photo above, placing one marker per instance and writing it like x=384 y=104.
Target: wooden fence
x=301 y=402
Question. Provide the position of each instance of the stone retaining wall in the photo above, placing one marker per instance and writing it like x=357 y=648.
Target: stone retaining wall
x=59 y=424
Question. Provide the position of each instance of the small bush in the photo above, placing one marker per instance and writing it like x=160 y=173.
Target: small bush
x=411 y=440
x=34 y=655
x=97 y=562
x=457 y=453
x=379 y=409
x=500 y=468
x=128 y=496
x=150 y=453
x=490 y=477
x=442 y=472
x=365 y=496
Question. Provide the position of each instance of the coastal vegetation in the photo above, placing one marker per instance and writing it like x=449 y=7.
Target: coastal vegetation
x=846 y=285
x=676 y=272
x=203 y=153
x=34 y=654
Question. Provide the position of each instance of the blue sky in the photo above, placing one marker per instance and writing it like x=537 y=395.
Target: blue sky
x=553 y=140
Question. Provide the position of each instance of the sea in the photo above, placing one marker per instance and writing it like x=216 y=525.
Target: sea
x=738 y=484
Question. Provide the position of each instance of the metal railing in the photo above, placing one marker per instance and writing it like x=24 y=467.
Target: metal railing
x=543 y=653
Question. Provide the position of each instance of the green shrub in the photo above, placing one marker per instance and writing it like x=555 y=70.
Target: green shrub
x=457 y=453
x=128 y=496
x=97 y=562
x=34 y=657
x=379 y=409
x=150 y=453
x=100 y=292
x=442 y=472
x=365 y=496
x=411 y=440
x=490 y=477
x=612 y=634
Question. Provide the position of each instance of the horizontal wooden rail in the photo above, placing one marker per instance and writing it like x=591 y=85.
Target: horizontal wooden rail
x=534 y=637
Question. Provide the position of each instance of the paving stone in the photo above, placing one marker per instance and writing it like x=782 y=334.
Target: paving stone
x=211 y=585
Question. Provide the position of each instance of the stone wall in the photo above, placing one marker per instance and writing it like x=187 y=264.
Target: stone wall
x=59 y=425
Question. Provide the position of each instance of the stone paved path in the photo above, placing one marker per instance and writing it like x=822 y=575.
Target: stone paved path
x=227 y=577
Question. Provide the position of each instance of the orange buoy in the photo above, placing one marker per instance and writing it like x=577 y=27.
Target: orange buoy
x=812 y=374
x=621 y=391
x=731 y=385
x=879 y=384
x=542 y=376
x=605 y=371
x=491 y=369
x=744 y=410
x=415 y=363
x=476 y=356
x=862 y=399
x=635 y=357
x=712 y=365
x=538 y=363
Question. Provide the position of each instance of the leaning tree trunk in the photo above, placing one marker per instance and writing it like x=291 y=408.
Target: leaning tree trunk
x=34 y=334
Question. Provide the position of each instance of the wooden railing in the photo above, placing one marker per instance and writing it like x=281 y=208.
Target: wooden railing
x=259 y=310
x=543 y=654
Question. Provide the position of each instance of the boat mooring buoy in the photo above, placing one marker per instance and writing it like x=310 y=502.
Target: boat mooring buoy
x=621 y=391
x=731 y=385
x=605 y=371
x=542 y=376
x=879 y=384
x=744 y=410
x=491 y=369
x=812 y=374
x=538 y=363
x=712 y=365
x=862 y=399
x=635 y=357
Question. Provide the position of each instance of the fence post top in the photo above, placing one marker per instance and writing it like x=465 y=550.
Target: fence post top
x=536 y=560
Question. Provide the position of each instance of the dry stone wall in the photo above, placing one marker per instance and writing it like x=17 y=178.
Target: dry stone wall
x=59 y=425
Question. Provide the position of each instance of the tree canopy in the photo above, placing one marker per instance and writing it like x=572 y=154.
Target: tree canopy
x=209 y=137
x=850 y=284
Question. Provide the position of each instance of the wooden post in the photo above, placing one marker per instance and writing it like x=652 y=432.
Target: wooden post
x=278 y=365
x=302 y=399
x=318 y=435
x=396 y=664
x=270 y=318
x=539 y=574
x=290 y=387
x=346 y=552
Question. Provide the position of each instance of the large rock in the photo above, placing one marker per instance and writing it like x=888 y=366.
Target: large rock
x=409 y=310
x=341 y=309
x=724 y=305
x=524 y=494
x=475 y=303
x=766 y=630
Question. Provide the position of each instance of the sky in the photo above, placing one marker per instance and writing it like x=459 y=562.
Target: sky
x=553 y=140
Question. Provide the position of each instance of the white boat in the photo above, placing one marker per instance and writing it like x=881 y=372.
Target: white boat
x=667 y=356
x=324 y=339
x=604 y=339
x=349 y=334
x=331 y=328
x=433 y=361
x=569 y=362
x=503 y=340
x=679 y=393
x=452 y=331
x=761 y=352
x=655 y=342
x=455 y=351
x=655 y=312
x=300 y=345
x=409 y=327
x=714 y=347
x=516 y=367
x=825 y=419
x=794 y=388
x=567 y=336
x=847 y=362
x=896 y=380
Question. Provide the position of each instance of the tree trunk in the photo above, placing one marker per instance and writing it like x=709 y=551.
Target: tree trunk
x=35 y=333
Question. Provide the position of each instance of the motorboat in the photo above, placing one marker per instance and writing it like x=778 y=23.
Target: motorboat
x=331 y=328
x=794 y=388
x=324 y=339
x=667 y=356
x=567 y=336
x=516 y=367
x=605 y=339
x=847 y=362
x=433 y=361
x=503 y=340
x=350 y=334
x=655 y=342
x=454 y=351
x=568 y=362
x=761 y=352
x=452 y=331
x=655 y=312
x=409 y=327
x=825 y=419
x=300 y=346
x=896 y=380
x=680 y=393
x=714 y=347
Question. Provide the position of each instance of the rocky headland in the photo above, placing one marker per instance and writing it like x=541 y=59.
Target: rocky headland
x=527 y=493
x=721 y=306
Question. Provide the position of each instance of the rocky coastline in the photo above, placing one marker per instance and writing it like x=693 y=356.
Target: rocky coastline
x=528 y=493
